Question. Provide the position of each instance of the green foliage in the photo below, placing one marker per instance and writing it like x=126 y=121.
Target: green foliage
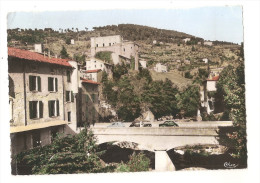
x=63 y=53
x=105 y=56
x=188 y=75
x=231 y=86
x=67 y=154
x=122 y=168
x=67 y=40
x=138 y=162
x=189 y=100
x=80 y=58
x=144 y=73
x=119 y=70
x=132 y=63
x=203 y=73
x=161 y=97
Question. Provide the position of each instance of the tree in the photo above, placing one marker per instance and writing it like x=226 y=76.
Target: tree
x=63 y=53
x=67 y=154
x=231 y=86
x=188 y=101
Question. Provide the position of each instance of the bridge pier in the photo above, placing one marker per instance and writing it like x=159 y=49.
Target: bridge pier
x=163 y=161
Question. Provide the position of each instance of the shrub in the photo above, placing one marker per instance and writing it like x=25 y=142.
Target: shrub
x=105 y=56
x=67 y=154
x=138 y=162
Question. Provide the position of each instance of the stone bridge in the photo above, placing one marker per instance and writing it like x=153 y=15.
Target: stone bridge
x=162 y=139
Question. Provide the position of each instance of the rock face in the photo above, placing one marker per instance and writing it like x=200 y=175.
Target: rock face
x=146 y=116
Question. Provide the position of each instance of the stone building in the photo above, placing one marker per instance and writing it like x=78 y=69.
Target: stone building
x=207 y=94
x=143 y=64
x=160 y=68
x=88 y=100
x=208 y=43
x=96 y=64
x=42 y=101
x=118 y=47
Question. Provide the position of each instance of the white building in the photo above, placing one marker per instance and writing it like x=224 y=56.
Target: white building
x=72 y=41
x=208 y=43
x=95 y=64
x=186 y=40
x=38 y=48
x=160 y=68
x=93 y=75
x=205 y=60
x=143 y=64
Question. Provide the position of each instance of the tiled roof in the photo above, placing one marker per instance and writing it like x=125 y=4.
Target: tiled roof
x=28 y=55
x=215 y=78
x=91 y=71
x=89 y=81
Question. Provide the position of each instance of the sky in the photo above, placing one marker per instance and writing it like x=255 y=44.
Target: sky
x=210 y=23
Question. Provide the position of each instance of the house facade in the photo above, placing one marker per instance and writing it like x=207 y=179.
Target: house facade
x=42 y=98
x=88 y=102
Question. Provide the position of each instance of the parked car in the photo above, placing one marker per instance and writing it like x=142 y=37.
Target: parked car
x=116 y=125
x=168 y=123
x=140 y=124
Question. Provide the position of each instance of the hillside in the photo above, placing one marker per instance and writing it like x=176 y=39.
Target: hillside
x=156 y=45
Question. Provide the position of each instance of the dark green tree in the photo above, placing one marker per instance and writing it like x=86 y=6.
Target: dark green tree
x=63 y=53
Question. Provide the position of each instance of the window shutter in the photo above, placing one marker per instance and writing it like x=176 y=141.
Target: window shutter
x=56 y=84
x=31 y=110
x=39 y=83
x=72 y=97
x=57 y=107
x=49 y=84
x=50 y=108
x=41 y=109
x=67 y=96
x=30 y=83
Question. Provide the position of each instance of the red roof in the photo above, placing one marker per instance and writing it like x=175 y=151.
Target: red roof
x=28 y=55
x=89 y=81
x=215 y=78
x=91 y=71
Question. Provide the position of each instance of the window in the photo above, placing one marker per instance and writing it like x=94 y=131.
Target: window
x=69 y=96
x=103 y=44
x=34 y=83
x=97 y=45
x=54 y=108
x=109 y=44
x=68 y=77
x=69 y=116
x=52 y=84
x=124 y=49
x=36 y=109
